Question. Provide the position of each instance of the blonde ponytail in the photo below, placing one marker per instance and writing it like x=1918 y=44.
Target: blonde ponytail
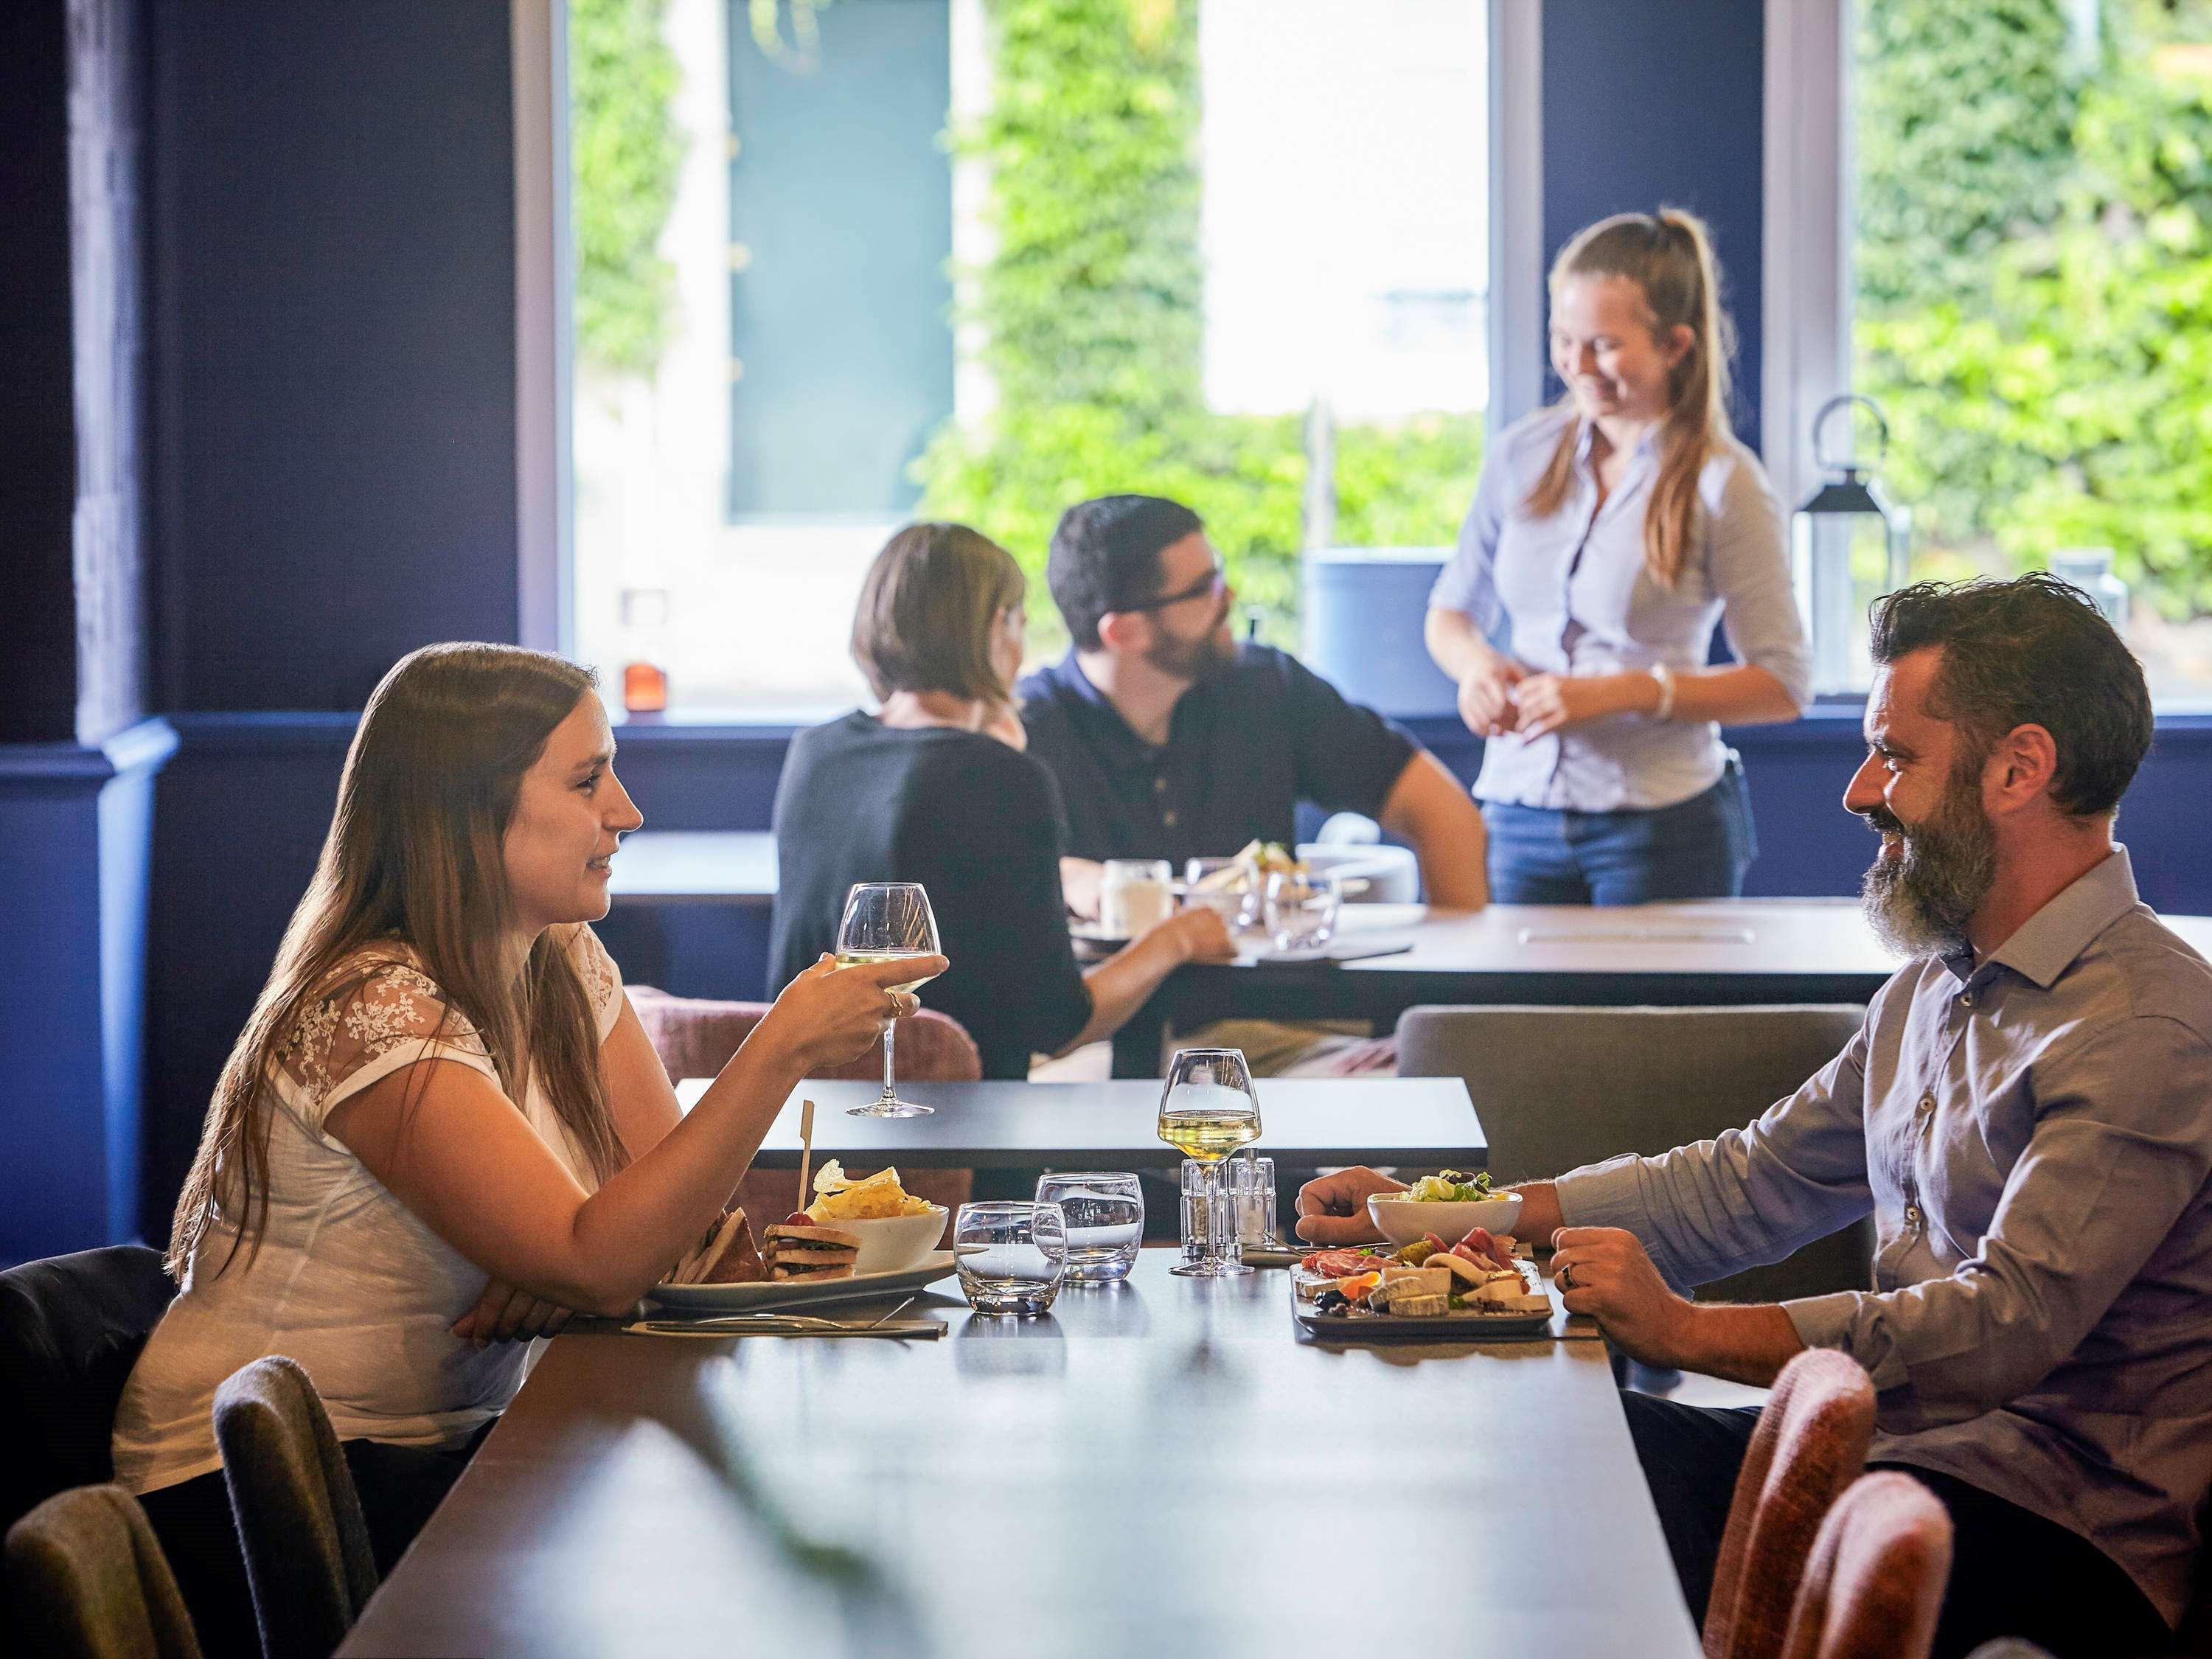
x=1669 y=256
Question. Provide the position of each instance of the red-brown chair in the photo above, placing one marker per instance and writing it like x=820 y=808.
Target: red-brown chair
x=694 y=1036
x=1811 y=1444
x=1873 y=1585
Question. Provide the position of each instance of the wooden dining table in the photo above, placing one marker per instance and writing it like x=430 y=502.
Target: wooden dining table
x=1166 y=1467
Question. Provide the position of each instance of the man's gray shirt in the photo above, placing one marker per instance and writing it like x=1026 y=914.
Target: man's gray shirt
x=2033 y=1137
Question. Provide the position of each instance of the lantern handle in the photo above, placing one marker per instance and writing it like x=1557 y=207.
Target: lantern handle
x=1819 y=422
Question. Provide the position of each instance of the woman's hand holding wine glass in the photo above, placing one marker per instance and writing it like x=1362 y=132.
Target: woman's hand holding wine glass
x=832 y=1012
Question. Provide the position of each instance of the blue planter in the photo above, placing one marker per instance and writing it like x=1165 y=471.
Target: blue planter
x=1364 y=609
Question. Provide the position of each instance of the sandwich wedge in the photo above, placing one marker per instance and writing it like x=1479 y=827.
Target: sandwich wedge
x=801 y=1248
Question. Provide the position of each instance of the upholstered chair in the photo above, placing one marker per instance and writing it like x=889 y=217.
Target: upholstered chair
x=307 y=1553
x=1810 y=1443
x=1873 y=1585
x=87 y=1580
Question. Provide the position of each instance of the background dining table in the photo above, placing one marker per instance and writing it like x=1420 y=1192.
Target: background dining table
x=1712 y=952
x=1167 y=1466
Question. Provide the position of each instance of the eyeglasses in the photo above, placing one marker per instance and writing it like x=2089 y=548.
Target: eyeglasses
x=1212 y=587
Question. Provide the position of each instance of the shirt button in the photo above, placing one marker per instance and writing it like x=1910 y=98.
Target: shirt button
x=1160 y=785
x=1912 y=1217
x=1927 y=1105
x=1965 y=999
x=1168 y=818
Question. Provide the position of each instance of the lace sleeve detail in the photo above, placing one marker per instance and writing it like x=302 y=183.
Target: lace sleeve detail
x=375 y=1021
x=602 y=979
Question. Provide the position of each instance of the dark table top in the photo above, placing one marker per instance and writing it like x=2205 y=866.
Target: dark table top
x=1073 y=1126
x=1167 y=1468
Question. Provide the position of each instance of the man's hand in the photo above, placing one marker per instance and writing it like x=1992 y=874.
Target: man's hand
x=1606 y=1272
x=1332 y=1208
x=504 y=1313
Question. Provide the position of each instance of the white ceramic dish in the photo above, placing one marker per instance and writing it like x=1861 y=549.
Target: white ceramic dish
x=1402 y=1220
x=894 y=1244
x=802 y=1292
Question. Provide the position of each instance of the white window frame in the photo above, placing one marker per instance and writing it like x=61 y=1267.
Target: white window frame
x=1808 y=168
x=543 y=283
x=1517 y=330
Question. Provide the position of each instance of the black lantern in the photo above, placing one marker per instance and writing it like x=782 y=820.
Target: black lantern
x=1851 y=546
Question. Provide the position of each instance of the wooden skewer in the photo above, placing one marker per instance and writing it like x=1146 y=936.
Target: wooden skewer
x=806 y=1148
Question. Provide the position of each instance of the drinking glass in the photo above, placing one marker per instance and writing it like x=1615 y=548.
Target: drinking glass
x=1227 y=885
x=1301 y=910
x=1208 y=1108
x=1011 y=1257
x=1133 y=896
x=884 y=921
x=1105 y=1214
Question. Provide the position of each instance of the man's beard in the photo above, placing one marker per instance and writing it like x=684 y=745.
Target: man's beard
x=1919 y=902
x=1192 y=660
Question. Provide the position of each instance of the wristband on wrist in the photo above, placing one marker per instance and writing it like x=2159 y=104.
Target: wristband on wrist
x=1665 y=675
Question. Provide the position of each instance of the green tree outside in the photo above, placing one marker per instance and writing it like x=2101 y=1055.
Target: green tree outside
x=2035 y=302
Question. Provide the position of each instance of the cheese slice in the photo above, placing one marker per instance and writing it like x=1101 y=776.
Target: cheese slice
x=1419 y=1307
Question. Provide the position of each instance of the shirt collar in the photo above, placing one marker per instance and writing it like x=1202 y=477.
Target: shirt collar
x=1586 y=440
x=1069 y=682
x=2045 y=945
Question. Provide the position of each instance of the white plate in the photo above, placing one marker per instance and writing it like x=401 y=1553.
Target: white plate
x=763 y=1294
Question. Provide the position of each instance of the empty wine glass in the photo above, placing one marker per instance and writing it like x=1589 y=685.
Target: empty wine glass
x=884 y=921
x=1208 y=1108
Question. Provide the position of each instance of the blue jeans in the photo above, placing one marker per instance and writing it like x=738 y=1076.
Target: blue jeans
x=1698 y=848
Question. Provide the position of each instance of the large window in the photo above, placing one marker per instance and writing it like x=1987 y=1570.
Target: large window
x=2032 y=250
x=861 y=260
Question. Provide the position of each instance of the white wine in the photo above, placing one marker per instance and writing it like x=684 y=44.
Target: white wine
x=854 y=958
x=1208 y=1133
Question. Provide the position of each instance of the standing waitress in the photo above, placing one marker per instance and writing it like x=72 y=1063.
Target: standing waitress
x=1610 y=534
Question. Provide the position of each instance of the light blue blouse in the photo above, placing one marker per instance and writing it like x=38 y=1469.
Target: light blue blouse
x=1574 y=598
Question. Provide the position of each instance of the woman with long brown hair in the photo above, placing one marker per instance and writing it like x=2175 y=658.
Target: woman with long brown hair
x=1611 y=534
x=443 y=1126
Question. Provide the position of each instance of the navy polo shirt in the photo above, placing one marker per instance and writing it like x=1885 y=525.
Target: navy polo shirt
x=1245 y=747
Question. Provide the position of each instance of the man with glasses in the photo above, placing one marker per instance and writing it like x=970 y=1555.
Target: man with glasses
x=1170 y=740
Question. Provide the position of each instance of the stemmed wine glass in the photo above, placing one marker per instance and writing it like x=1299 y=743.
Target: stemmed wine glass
x=884 y=921
x=1208 y=1108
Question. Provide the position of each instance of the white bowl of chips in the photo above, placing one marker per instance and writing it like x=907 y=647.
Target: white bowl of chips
x=896 y=1229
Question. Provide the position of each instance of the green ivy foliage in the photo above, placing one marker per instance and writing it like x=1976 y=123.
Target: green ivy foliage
x=624 y=154
x=1092 y=309
x=2042 y=341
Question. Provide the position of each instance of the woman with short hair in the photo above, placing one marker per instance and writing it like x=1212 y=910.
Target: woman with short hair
x=1611 y=534
x=443 y=1126
x=934 y=787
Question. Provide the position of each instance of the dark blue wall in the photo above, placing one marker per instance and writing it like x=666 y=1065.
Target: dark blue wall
x=332 y=245
x=1650 y=106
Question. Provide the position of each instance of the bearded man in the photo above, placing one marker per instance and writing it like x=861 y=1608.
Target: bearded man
x=2027 y=1114
x=1170 y=740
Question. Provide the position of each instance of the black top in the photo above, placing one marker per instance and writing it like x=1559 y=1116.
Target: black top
x=1243 y=748
x=976 y=823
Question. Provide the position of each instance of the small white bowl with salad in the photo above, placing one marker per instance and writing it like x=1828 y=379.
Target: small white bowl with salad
x=1448 y=1204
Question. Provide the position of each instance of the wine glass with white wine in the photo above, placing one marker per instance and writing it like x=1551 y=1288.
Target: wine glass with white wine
x=1208 y=1109
x=884 y=921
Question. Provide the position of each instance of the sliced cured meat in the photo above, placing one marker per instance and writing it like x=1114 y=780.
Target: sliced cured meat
x=1337 y=1264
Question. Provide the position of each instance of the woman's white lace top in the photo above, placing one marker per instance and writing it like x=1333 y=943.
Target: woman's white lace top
x=348 y=1281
